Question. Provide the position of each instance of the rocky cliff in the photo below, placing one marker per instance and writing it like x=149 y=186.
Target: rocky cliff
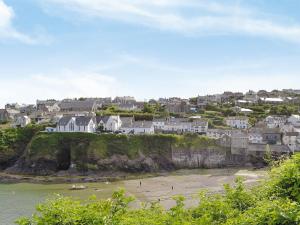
x=51 y=153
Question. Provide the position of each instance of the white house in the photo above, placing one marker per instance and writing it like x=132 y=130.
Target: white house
x=245 y=111
x=294 y=120
x=275 y=121
x=128 y=107
x=76 y=124
x=21 y=121
x=255 y=136
x=199 y=126
x=217 y=133
x=12 y=113
x=272 y=100
x=290 y=139
x=177 y=125
x=109 y=123
x=239 y=122
x=138 y=127
x=159 y=123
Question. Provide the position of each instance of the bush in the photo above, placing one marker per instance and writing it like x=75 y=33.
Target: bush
x=13 y=142
x=274 y=202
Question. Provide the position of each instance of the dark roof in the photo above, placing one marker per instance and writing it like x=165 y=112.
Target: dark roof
x=159 y=120
x=77 y=105
x=104 y=119
x=139 y=124
x=79 y=120
x=200 y=123
x=127 y=121
x=64 y=120
x=83 y=120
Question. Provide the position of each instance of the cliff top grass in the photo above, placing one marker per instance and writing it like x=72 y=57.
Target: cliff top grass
x=48 y=145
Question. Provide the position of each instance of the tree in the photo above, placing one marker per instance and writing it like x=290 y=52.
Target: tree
x=268 y=155
x=148 y=108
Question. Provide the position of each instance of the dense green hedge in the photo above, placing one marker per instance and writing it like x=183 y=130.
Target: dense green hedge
x=274 y=202
x=13 y=142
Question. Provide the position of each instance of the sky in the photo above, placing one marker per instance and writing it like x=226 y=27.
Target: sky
x=146 y=48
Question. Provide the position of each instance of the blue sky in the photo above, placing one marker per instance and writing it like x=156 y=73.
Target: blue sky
x=146 y=48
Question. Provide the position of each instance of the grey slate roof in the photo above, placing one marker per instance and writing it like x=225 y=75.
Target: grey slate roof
x=104 y=119
x=79 y=120
x=177 y=121
x=77 y=105
x=83 y=120
x=127 y=121
x=64 y=120
x=200 y=123
x=140 y=124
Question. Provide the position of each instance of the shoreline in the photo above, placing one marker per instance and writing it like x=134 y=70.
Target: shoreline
x=8 y=178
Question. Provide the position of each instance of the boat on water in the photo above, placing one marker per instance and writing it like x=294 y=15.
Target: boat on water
x=78 y=187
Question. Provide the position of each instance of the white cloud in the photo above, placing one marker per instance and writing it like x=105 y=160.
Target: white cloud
x=186 y=16
x=66 y=84
x=7 y=31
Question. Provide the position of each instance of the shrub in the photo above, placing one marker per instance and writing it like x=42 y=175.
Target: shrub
x=274 y=202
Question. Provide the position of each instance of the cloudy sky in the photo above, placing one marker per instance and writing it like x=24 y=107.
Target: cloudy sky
x=146 y=48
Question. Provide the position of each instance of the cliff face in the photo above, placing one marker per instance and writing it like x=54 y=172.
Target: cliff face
x=13 y=143
x=50 y=153
x=83 y=153
x=216 y=157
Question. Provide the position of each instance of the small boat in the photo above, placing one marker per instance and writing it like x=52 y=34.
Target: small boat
x=76 y=188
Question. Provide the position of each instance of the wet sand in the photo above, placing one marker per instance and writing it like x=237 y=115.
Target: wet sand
x=189 y=186
x=20 y=199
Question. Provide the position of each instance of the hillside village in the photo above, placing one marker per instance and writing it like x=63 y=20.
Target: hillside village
x=249 y=122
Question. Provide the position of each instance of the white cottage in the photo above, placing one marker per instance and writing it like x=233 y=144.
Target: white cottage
x=239 y=122
x=290 y=139
x=294 y=120
x=275 y=121
x=255 y=136
x=21 y=121
x=159 y=123
x=76 y=124
x=109 y=123
x=138 y=127
x=199 y=126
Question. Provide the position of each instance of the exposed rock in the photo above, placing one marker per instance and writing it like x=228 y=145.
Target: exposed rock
x=123 y=163
x=41 y=167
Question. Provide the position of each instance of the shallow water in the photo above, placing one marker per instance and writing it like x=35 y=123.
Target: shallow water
x=20 y=199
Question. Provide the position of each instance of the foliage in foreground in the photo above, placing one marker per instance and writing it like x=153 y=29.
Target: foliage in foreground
x=274 y=202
